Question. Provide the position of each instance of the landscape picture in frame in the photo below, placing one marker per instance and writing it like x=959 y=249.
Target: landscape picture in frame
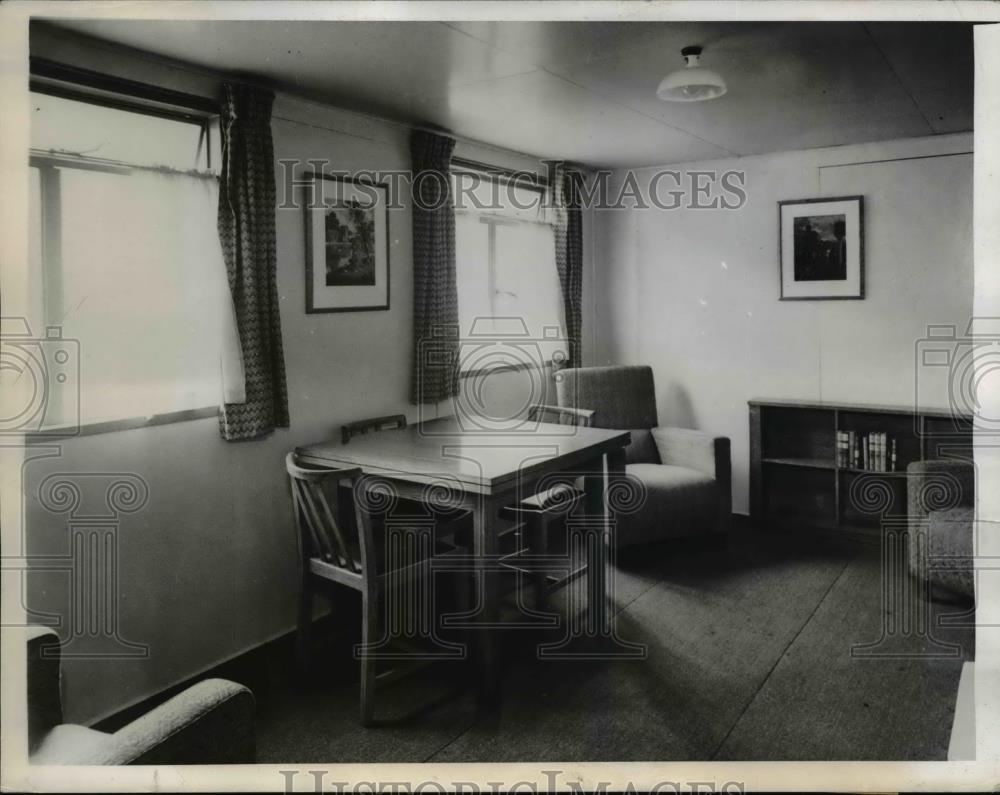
x=347 y=246
x=821 y=248
x=350 y=245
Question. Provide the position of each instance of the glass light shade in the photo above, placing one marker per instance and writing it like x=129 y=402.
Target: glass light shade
x=691 y=84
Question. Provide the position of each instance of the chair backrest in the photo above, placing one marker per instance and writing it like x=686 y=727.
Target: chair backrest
x=320 y=534
x=560 y=415
x=390 y=422
x=620 y=396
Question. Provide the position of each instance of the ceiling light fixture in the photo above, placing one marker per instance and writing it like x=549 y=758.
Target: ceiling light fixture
x=692 y=83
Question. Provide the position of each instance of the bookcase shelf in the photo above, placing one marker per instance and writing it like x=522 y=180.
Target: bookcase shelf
x=809 y=463
x=797 y=479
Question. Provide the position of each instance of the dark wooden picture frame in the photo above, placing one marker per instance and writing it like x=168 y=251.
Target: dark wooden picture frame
x=338 y=297
x=846 y=215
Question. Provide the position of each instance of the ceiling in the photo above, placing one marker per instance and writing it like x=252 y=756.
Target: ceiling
x=585 y=91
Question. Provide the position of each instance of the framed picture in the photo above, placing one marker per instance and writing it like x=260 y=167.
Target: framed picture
x=822 y=248
x=347 y=246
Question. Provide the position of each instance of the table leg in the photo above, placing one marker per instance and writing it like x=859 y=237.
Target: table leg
x=484 y=543
x=599 y=545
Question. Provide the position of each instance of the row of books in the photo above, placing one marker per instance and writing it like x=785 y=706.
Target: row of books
x=874 y=451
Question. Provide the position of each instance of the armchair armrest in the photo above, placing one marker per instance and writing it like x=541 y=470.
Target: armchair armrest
x=705 y=453
x=209 y=723
x=44 y=692
x=694 y=449
x=934 y=485
x=938 y=484
x=565 y=414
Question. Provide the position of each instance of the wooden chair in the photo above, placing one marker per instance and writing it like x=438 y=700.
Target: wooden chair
x=562 y=415
x=360 y=427
x=352 y=557
x=534 y=515
x=454 y=523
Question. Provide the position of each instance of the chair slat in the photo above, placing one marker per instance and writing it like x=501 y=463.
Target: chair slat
x=331 y=547
x=304 y=525
x=334 y=528
x=360 y=427
x=564 y=415
x=313 y=514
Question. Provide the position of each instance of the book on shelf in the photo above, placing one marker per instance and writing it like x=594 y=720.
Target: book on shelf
x=874 y=451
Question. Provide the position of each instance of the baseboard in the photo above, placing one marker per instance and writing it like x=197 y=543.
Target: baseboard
x=121 y=716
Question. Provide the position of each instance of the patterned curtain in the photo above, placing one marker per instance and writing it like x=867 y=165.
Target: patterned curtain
x=435 y=292
x=246 y=231
x=569 y=256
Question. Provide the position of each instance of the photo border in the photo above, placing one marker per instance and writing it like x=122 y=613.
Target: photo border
x=861 y=250
x=310 y=230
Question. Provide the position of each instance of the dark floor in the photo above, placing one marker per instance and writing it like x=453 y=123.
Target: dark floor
x=749 y=656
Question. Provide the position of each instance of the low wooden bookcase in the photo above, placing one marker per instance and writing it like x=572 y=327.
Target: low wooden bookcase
x=798 y=480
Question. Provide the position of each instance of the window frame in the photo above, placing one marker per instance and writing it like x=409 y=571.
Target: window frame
x=523 y=179
x=96 y=88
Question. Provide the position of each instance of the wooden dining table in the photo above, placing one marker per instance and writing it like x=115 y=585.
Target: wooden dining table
x=484 y=470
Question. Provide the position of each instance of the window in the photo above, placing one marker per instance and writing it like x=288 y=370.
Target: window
x=508 y=286
x=125 y=258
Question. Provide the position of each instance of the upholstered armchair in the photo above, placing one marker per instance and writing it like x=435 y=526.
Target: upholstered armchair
x=209 y=723
x=686 y=474
x=940 y=509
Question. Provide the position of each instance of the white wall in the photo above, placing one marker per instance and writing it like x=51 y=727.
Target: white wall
x=208 y=569
x=694 y=293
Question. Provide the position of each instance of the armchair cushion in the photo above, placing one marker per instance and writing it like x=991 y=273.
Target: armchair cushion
x=680 y=501
x=694 y=449
x=642 y=448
